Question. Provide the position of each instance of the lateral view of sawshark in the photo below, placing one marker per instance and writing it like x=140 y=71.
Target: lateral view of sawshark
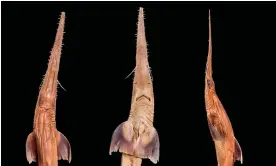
x=227 y=147
x=136 y=138
x=46 y=145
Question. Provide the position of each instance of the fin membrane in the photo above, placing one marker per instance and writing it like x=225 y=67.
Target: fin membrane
x=63 y=147
x=148 y=145
x=122 y=139
x=31 y=152
x=215 y=127
x=238 y=152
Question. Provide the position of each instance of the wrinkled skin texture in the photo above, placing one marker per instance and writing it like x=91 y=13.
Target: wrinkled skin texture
x=46 y=145
x=136 y=138
x=227 y=147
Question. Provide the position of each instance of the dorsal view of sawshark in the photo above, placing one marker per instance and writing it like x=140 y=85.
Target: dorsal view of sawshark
x=45 y=144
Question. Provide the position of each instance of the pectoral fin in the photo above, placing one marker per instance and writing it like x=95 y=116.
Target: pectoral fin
x=63 y=147
x=214 y=128
x=148 y=145
x=31 y=148
x=122 y=139
x=238 y=152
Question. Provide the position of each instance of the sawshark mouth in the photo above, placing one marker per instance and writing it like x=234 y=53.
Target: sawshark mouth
x=143 y=96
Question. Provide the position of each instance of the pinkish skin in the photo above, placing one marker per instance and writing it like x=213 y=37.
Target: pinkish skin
x=227 y=147
x=136 y=138
x=46 y=144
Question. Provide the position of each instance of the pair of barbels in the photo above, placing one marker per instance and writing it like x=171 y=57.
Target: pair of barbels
x=136 y=138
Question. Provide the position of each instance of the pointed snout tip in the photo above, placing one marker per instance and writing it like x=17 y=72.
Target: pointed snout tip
x=62 y=15
x=141 y=11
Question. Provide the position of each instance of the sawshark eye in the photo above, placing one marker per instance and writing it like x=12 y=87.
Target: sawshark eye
x=209 y=82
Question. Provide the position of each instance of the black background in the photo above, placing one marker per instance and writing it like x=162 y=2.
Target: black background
x=99 y=52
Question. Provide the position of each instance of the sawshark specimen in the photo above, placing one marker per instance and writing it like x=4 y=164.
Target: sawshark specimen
x=227 y=147
x=46 y=144
x=137 y=138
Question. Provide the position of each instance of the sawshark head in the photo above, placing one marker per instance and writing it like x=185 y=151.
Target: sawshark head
x=142 y=84
x=48 y=89
x=209 y=82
